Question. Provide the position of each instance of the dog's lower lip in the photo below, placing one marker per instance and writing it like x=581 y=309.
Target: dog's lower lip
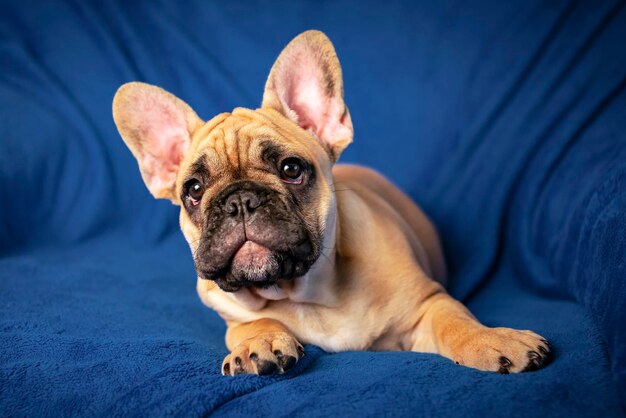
x=251 y=245
x=251 y=256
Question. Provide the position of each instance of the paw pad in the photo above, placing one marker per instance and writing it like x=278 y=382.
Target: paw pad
x=266 y=367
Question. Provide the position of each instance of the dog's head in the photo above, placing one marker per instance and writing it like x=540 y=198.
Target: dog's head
x=254 y=186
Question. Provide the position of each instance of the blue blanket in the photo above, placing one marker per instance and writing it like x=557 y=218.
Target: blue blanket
x=506 y=121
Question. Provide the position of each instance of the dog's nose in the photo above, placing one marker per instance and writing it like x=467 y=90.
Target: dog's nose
x=242 y=203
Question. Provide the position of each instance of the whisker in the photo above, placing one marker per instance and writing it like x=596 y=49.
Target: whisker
x=322 y=248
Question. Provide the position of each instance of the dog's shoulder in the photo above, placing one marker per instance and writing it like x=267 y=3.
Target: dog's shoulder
x=364 y=191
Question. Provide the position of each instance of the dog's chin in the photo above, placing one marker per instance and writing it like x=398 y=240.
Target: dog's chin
x=256 y=266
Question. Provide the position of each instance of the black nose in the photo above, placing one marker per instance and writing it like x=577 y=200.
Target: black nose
x=243 y=202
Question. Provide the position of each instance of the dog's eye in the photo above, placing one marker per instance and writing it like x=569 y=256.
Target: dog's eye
x=291 y=170
x=194 y=191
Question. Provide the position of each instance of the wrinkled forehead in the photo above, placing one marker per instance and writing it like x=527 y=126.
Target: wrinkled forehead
x=237 y=140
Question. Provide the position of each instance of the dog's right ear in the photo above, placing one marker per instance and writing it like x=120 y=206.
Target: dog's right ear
x=157 y=127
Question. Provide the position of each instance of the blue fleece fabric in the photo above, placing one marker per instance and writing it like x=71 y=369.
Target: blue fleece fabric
x=505 y=120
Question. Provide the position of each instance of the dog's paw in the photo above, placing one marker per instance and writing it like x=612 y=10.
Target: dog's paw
x=503 y=350
x=267 y=353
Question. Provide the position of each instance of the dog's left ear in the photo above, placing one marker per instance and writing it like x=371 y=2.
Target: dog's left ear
x=306 y=86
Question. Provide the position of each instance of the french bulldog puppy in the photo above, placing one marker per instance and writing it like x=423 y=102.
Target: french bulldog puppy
x=290 y=248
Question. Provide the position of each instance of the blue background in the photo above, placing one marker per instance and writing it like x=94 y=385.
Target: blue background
x=506 y=121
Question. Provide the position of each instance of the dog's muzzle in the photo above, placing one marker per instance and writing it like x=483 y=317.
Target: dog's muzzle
x=251 y=237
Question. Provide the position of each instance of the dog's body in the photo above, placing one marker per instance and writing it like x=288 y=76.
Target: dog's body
x=290 y=250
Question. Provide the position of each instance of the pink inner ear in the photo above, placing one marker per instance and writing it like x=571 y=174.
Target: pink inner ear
x=302 y=91
x=165 y=139
x=308 y=95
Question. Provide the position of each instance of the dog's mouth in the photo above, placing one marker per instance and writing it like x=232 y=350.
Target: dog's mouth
x=254 y=265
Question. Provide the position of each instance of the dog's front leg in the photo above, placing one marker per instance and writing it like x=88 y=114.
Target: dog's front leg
x=448 y=328
x=264 y=346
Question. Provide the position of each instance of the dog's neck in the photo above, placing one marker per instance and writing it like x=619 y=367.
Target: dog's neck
x=316 y=287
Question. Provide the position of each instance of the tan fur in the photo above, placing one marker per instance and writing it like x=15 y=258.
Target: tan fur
x=379 y=282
